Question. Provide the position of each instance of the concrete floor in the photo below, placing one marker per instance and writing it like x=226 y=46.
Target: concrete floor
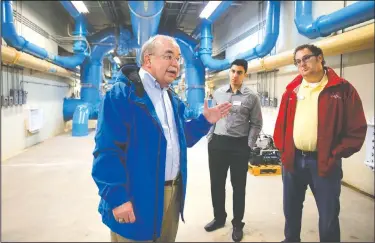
x=48 y=195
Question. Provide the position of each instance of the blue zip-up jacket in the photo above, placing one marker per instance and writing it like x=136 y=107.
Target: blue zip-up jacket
x=129 y=158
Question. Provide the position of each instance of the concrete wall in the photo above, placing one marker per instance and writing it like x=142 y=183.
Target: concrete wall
x=358 y=68
x=49 y=97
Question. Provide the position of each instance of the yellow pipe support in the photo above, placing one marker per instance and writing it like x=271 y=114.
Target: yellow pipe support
x=10 y=55
x=355 y=40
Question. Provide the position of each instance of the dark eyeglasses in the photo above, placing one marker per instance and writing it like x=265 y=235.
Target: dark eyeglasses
x=306 y=58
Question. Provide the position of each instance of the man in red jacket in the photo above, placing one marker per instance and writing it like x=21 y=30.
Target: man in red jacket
x=320 y=121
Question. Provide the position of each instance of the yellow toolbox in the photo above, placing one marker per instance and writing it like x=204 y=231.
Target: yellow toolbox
x=264 y=170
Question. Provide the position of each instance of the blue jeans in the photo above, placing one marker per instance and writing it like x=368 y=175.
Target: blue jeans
x=326 y=191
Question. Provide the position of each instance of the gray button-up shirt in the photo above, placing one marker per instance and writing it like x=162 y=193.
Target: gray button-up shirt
x=164 y=111
x=245 y=116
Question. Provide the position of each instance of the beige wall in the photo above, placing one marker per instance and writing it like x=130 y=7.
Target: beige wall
x=358 y=68
x=49 y=98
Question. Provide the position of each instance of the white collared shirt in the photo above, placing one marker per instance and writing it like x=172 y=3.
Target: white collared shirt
x=164 y=110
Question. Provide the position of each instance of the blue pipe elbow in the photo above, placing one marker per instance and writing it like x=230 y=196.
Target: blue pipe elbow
x=194 y=73
x=10 y=35
x=261 y=50
x=325 y=25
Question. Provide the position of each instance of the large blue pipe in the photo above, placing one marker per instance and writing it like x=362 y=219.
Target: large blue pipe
x=145 y=18
x=114 y=69
x=261 y=50
x=194 y=73
x=11 y=37
x=224 y=5
x=91 y=70
x=70 y=9
x=353 y=14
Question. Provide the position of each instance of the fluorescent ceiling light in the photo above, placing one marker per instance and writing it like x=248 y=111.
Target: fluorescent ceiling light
x=209 y=9
x=80 y=6
x=117 y=60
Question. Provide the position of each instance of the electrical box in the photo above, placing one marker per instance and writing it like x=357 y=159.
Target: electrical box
x=369 y=141
x=10 y=101
x=262 y=100
x=20 y=96
x=267 y=101
x=271 y=102
x=35 y=119
x=14 y=95
x=24 y=97
x=274 y=102
x=4 y=101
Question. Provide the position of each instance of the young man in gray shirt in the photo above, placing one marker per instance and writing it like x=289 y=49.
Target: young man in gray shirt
x=230 y=142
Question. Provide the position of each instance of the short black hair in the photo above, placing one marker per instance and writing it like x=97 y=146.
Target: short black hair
x=314 y=49
x=240 y=62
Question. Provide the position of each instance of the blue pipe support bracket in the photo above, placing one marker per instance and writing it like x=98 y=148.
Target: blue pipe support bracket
x=261 y=50
x=325 y=25
x=145 y=18
x=11 y=37
x=194 y=73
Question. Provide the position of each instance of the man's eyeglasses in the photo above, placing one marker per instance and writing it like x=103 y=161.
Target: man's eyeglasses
x=306 y=58
x=169 y=57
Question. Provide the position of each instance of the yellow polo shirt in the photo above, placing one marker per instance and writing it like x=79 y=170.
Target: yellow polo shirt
x=305 y=129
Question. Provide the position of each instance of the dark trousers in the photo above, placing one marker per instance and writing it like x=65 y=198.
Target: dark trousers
x=228 y=152
x=326 y=191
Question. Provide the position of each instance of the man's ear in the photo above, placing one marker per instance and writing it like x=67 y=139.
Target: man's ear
x=148 y=60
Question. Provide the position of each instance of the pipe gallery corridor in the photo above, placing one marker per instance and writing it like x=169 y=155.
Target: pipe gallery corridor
x=264 y=108
x=48 y=195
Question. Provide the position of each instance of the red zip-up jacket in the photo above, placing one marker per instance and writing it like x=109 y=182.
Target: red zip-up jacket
x=341 y=123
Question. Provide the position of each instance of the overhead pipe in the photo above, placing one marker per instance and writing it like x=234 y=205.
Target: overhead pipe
x=114 y=69
x=69 y=7
x=10 y=55
x=145 y=18
x=194 y=73
x=91 y=77
x=261 y=50
x=11 y=37
x=323 y=26
x=352 y=41
x=224 y=5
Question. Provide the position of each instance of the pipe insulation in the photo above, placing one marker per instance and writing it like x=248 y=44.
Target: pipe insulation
x=10 y=55
x=355 y=40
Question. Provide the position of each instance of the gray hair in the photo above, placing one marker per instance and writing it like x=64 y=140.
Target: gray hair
x=150 y=45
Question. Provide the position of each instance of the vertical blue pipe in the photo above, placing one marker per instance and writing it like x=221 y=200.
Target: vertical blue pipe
x=91 y=70
x=194 y=73
x=145 y=18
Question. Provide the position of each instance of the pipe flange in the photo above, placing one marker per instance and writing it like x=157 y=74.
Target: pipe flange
x=195 y=86
x=203 y=50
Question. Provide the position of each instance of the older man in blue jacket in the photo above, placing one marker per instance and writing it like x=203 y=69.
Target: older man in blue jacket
x=140 y=162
